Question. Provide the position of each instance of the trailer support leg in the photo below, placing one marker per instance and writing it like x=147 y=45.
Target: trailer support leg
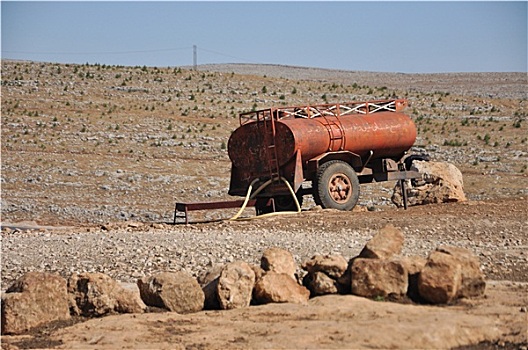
x=404 y=193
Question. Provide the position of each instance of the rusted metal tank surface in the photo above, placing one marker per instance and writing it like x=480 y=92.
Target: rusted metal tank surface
x=386 y=134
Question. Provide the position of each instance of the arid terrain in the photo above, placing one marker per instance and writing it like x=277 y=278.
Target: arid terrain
x=94 y=158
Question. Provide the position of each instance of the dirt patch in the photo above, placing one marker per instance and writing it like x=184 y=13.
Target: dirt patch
x=325 y=322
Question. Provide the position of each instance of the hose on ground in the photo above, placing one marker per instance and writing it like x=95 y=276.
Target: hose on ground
x=248 y=197
x=262 y=187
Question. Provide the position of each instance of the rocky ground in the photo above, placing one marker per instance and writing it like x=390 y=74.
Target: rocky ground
x=494 y=230
x=94 y=157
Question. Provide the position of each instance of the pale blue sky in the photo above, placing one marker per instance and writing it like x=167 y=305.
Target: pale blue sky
x=406 y=37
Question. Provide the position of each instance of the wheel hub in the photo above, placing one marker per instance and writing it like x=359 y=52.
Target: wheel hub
x=340 y=188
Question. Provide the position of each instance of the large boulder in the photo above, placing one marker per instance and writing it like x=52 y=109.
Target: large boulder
x=278 y=260
x=440 y=279
x=373 y=278
x=175 y=291
x=235 y=285
x=209 y=281
x=325 y=274
x=472 y=283
x=279 y=288
x=97 y=294
x=386 y=243
x=442 y=183
x=34 y=299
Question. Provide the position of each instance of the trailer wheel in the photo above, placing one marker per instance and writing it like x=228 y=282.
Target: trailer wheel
x=336 y=186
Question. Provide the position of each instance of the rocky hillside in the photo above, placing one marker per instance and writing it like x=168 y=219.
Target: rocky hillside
x=94 y=157
x=486 y=85
x=96 y=143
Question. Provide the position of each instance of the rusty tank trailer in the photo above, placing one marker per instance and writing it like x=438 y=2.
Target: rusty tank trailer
x=332 y=147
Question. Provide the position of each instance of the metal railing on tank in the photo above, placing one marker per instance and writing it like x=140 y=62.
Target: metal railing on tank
x=322 y=110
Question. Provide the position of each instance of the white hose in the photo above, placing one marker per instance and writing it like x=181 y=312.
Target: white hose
x=261 y=187
x=246 y=200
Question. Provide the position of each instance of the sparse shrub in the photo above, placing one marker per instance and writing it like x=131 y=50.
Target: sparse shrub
x=454 y=143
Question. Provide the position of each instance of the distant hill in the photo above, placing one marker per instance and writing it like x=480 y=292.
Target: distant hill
x=498 y=85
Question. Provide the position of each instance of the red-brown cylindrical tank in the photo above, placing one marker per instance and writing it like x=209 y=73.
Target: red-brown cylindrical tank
x=386 y=134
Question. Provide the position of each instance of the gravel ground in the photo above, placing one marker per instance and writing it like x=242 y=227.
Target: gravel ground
x=494 y=230
x=97 y=151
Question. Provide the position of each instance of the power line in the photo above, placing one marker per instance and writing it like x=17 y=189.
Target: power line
x=226 y=55
x=95 y=52
x=195 y=49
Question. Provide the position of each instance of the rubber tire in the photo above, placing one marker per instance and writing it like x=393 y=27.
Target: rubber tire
x=322 y=194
